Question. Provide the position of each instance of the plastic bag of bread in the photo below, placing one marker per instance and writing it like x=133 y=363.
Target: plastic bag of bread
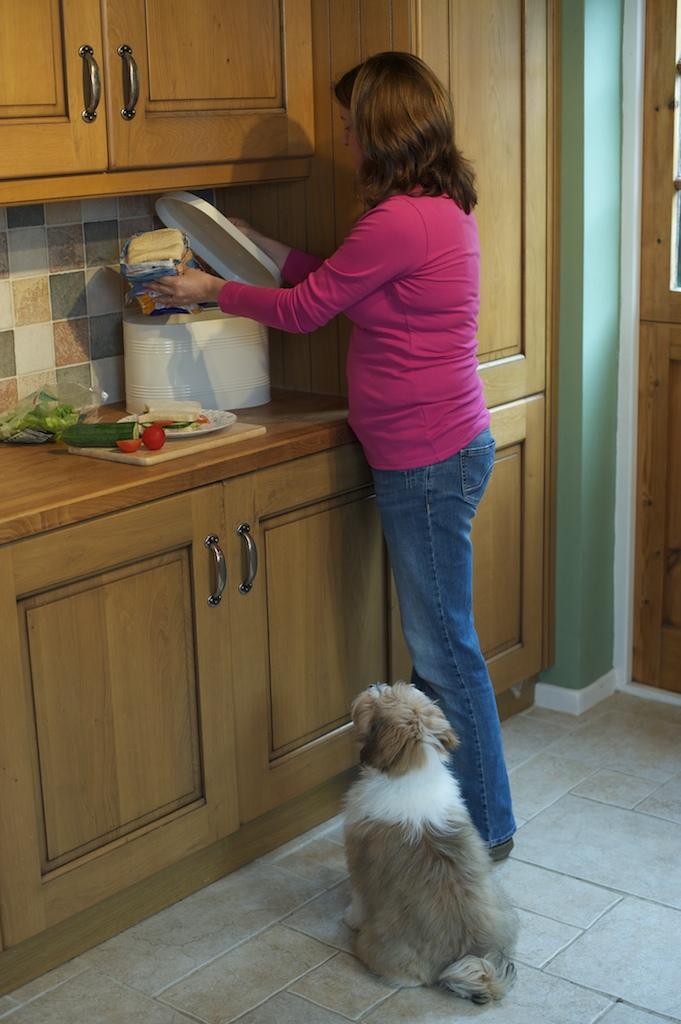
x=146 y=257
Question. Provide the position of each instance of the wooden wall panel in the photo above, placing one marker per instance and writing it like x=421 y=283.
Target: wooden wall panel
x=317 y=214
x=495 y=56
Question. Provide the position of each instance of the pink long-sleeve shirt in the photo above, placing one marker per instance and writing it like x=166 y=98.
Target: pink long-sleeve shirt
x=407 y=276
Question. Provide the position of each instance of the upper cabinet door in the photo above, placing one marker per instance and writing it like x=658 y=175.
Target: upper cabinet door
x=46 y=86
x=209 y=82
x=497 y=59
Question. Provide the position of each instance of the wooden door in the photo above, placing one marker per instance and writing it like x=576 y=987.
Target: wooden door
x=657 y=629
x=657 y=586
x=312 y=632
x=43 y=88
x=116 y=718
x=508 y=547
x=217 y=81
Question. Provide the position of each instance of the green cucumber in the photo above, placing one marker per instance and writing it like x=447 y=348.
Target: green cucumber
x=99 y=435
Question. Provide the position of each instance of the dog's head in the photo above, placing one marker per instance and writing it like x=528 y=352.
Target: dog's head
x=395 y=726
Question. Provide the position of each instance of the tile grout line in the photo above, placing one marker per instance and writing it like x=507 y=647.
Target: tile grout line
x=560 y=797
x=601 y=1016
x=323 y=1006
x=622 y=893
x=247 y=938
x=242 y=942
x=284 y=988
x=326 y=942
x=51 y=988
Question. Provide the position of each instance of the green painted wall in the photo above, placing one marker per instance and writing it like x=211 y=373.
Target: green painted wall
x=588 y=339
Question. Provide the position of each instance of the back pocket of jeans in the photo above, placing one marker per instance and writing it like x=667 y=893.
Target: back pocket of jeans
x=476 y=467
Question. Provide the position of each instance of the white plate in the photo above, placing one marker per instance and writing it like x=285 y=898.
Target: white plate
x=218 y=419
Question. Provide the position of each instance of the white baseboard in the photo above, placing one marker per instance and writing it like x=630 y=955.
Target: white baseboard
x=575 y=702
x=650 y=693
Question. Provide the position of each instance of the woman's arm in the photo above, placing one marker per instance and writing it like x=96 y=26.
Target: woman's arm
x=386 y=243
x=277 y=251
x=294 y=265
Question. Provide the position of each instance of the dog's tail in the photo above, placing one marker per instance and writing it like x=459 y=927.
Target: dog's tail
x=479 y=978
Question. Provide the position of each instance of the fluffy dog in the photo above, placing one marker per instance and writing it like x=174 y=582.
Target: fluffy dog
x=424 y=904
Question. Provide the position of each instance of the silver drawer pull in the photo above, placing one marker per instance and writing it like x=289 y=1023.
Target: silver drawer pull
x=244 y=531
x=92 y=89
x=131 y=82
x=212 y=542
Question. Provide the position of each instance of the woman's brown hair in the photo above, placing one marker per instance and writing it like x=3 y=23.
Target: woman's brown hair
x=404 y=124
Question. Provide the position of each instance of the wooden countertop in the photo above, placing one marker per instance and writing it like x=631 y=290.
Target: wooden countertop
x=43 y=486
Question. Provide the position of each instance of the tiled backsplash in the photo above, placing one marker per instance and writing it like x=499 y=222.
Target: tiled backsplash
x=61 y=297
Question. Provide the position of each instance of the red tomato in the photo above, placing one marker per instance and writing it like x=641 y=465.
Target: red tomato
x=163 y=423
x=129 y=446
x=153 y=437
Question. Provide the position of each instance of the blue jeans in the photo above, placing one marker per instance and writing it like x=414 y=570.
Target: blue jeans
x=426 y=515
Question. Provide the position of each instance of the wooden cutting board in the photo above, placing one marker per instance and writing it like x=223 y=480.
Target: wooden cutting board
x=175 y=449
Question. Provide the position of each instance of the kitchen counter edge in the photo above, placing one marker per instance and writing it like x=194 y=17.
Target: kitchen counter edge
x=44 y=487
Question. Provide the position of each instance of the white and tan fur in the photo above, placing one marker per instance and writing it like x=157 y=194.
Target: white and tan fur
x=424 y=904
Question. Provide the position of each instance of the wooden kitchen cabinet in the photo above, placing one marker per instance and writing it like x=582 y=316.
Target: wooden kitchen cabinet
x=116 y=718
x=41 y=89
x=311 y=632
x=215 y=83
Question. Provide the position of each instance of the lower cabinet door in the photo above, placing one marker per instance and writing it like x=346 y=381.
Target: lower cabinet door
x=116 y=719
x=309 y=626
x=508 y=553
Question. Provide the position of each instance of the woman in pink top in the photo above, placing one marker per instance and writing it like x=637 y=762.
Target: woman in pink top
x=407 y=276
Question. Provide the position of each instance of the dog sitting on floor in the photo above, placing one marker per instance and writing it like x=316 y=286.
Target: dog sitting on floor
x=424 y=904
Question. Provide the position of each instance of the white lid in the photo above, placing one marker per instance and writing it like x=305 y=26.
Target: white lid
x=217 y=241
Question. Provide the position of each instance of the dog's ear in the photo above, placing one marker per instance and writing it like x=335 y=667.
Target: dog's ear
x=439 y=728
x=362 y=712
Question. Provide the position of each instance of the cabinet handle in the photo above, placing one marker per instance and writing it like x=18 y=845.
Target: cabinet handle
x=131 y=82
x=244 y=531
x=92 y=89
x=212 y=542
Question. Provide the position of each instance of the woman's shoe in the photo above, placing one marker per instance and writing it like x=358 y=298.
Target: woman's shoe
x=501 y=851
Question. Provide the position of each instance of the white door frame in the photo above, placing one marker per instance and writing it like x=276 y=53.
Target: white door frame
x=633 y=65
x=633 y=52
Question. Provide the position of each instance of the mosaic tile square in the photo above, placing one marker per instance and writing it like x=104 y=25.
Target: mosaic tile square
x=25 y=216
x=6 y=307
x=4 y=255
x=106 y=335
x=31 y=300
x=27 y=251
x=101 y=242
x=7 y=364
x=68 y=212
x=68 y=295
x=107 y=378
x=71 y=341
x=100 y=209
x=28 y=382
x=65 y=247
x=8 y=394
x=135 y=206
x=34 y=348
x=74 y=375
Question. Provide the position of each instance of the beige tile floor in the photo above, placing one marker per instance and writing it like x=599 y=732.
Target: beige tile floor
x=596 y=877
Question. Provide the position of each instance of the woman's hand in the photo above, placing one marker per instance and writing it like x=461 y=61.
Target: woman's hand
x=244 y=227
x=191 y=286
x=277 y=251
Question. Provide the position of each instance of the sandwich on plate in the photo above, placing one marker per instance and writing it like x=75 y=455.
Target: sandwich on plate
x=173 y=415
